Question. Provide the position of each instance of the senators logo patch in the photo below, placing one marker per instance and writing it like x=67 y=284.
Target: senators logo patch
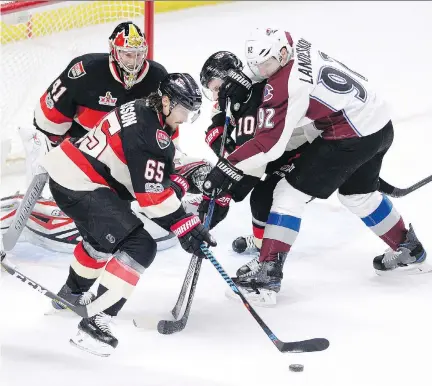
x=162 y=139
x=76 y=71
x=268 y=93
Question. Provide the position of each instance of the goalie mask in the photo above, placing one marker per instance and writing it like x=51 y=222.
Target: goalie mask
x=214 y=72
x=128 y=50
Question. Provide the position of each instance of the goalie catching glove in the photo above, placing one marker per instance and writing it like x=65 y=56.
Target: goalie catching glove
x=221 y=178
x=191 y=234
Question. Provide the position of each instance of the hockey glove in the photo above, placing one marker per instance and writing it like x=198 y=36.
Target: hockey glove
x=220 y=210
x=191 y=234
x=237 y=87
x=214 y=140
x=179 y=184
x=221 y=178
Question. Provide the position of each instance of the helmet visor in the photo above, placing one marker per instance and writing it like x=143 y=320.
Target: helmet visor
x=183 y=115
x=264 y=69
x=211 y=92
x=131 y=59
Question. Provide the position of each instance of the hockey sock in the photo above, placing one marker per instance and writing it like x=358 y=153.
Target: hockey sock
x=84 y=269
x=118 y=281
x=379 y=215
x=258 y=232
x=279 y=235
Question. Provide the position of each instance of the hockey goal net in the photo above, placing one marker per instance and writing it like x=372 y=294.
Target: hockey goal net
x=38 y=40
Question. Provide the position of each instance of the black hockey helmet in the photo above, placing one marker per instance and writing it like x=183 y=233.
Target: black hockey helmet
x=182 y=89
x=217 y=66
x=128 y=50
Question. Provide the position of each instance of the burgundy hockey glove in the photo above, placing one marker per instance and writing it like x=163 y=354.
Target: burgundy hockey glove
x=220 y=210
x=214 y=140
x=191 y=234
x=237 y=87
x=221 y=178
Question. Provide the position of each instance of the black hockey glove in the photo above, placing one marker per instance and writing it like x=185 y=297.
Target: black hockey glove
x=237 y=87
x=220 y=210
x=221 y=178
x=191 y=234
x=214 y=140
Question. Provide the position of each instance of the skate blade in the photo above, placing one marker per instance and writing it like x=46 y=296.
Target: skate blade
x=86 y=343
x=413 y=269
x=265 y=298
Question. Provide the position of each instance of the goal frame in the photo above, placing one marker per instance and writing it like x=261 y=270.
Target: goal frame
x=148 y=5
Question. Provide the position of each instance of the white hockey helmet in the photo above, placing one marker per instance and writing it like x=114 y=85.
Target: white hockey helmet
x=264 y=51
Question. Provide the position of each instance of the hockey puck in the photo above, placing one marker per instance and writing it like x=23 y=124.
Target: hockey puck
x=296 y=368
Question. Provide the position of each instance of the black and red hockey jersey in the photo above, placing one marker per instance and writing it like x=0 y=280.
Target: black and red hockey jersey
x=88 y=89
x=128 y=152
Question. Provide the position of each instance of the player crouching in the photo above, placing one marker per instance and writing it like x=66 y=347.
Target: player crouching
x=129 y=155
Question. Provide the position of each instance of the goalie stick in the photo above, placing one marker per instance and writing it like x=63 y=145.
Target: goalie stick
x=310 y=345
x=23 y=212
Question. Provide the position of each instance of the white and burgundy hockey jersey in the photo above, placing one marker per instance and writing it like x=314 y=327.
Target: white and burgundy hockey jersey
x=312 y=87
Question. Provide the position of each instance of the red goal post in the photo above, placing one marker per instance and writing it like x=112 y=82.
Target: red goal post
x=27 y=10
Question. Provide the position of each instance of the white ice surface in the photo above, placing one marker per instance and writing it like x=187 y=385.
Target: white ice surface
x=379 y=328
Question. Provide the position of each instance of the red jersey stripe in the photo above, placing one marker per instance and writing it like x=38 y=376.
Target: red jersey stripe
x=52 y=114
x=88 y=117
x=78 y=159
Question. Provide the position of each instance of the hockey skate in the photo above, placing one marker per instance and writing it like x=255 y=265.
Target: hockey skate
x=408 y=259
x=261 y=284
x=95 y=336
x=245 y=245
x=75 y=298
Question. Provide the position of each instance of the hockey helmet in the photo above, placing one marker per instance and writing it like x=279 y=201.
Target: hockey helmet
x=128 y=50
x=264 y=51
x=216 y=67
x=183 y=91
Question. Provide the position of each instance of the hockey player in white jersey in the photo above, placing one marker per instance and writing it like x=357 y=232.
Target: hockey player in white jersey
x=306 y=85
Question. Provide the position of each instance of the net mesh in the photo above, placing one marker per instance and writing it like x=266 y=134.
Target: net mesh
x=37 y=43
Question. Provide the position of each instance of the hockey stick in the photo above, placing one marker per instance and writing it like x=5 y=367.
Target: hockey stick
x=171 y=326
x=23 y=212
x=168 y=326
x=79 y=310
x=392 y=191
x=310 y=345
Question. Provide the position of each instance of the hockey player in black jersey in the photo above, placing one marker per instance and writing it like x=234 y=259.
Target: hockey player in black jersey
x=129 y=155
x=88 y=88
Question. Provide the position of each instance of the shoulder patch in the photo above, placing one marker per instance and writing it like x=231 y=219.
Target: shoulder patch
x=162 y=139
x=268 y=93
x=76 y=71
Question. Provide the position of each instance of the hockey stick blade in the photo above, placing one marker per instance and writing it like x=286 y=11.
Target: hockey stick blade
x=167 y=327
x=310 y=345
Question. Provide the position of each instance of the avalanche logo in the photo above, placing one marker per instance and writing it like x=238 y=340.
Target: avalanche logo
x=162 y=139
x=107 y=100
x=268 y=93
x=76 y=71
